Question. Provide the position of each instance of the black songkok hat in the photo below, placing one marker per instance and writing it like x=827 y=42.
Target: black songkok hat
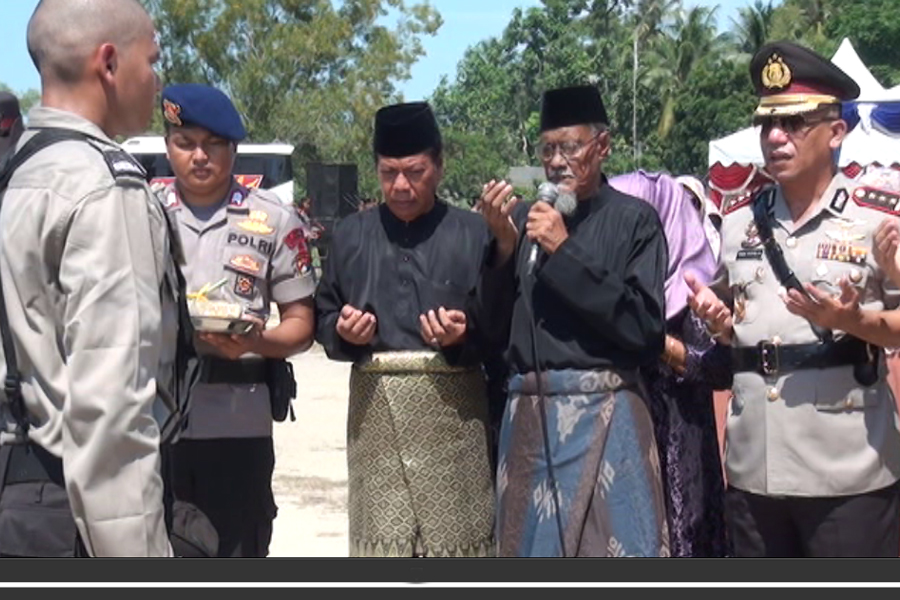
x=406 y=129
x=578 y=105
x=791 y=79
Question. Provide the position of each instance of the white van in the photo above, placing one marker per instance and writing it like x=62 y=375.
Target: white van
x=266 y=166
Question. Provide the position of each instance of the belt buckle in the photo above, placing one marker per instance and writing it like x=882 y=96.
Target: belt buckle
x=768 y=358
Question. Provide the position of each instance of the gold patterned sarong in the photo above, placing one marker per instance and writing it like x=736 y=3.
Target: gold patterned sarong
x=420 y=480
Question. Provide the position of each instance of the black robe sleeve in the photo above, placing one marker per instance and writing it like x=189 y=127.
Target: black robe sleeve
x=330 y=300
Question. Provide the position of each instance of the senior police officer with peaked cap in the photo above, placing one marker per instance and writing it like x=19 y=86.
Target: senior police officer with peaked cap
x=252 y=246
x=812 y=446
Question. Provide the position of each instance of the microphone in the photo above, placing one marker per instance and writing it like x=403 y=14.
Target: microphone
x=564 y=202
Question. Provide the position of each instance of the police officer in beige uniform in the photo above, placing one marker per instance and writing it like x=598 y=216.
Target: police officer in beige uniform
x=89 y=286
x=254 y=244
x=812 y=445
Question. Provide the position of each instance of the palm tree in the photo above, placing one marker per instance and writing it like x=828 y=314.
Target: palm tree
x=690 y=40
x=649 y=16
x=751 y=28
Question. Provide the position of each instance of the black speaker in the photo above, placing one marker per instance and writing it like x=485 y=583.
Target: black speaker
x=333 y=189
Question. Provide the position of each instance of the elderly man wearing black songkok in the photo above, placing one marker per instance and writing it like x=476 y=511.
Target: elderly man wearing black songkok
x=401 y=298
x=578 y=468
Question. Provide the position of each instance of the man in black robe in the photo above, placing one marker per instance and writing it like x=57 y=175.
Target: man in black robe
x=400 y=298
x=578 y=468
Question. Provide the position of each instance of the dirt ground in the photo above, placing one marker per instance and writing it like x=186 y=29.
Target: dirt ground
x=310 y=480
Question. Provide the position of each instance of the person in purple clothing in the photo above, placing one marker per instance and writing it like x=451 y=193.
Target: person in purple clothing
x=681 y=383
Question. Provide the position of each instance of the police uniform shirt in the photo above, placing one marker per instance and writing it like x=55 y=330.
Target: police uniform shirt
x=814 y=432
x=398 y=271
x=89 y=286
x=599 y=300
x=256 y=243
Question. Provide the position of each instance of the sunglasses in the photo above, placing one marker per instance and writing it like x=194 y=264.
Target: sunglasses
x=791 y=123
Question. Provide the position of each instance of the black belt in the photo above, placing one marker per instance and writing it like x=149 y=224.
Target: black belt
x=235 y=372
x=29 y=462
x=770 y=359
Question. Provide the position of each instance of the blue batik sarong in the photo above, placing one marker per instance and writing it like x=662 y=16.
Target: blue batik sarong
x=605 y=463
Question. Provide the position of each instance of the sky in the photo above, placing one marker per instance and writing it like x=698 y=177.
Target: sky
x=466 y=22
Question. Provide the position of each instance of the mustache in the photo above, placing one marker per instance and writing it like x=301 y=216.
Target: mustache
x=560 y=173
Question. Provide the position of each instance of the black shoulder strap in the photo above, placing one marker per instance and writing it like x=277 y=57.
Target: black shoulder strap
x=774 y=253
x=786 y=276
x=12 y=385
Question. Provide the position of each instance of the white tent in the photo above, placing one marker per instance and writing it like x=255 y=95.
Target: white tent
x=864 y=145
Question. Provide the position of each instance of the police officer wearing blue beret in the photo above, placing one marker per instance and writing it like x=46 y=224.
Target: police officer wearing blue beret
x=244 y=250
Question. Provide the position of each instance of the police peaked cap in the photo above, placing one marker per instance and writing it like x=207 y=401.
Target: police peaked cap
x=197 y=105
x=578 y=105
x=792 y=79
x=406 y=129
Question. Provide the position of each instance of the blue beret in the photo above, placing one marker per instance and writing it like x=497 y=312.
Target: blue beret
x=197 y=105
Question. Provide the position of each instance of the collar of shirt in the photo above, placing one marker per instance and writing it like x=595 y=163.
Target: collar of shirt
x=783 y=214
x=174 y=202
x=412 y=232
x=589 y=206
x=45 y=117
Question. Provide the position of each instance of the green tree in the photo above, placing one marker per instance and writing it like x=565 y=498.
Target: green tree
x=873 y=26
x=686 y=43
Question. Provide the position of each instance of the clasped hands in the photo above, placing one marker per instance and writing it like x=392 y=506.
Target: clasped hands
x=439 y=329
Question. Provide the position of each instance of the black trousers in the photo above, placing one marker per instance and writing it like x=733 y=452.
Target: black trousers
x=230 y=480
x=858 y=526
x=35 y=516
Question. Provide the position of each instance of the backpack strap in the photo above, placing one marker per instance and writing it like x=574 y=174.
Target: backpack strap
x=12 y=384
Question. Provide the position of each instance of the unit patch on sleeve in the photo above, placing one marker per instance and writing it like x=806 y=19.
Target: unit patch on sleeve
x=294 y=239
x=244 y=286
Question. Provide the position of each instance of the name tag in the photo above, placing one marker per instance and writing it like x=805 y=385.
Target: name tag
x=754 y=254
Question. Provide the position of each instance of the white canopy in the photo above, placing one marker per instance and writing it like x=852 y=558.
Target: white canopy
x=864 y=145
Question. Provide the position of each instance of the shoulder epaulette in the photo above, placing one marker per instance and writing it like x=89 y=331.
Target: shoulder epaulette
x=732 y=204
x=877 y=199
x=123 y=166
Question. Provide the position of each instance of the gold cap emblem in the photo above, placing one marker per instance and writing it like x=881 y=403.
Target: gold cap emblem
x=172 y=113
x=776 y=74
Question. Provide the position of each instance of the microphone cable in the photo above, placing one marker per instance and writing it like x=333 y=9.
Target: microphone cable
x=551 y=475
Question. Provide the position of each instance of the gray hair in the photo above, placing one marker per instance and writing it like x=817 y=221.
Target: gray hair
x=598 y=128
x=62 y=34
